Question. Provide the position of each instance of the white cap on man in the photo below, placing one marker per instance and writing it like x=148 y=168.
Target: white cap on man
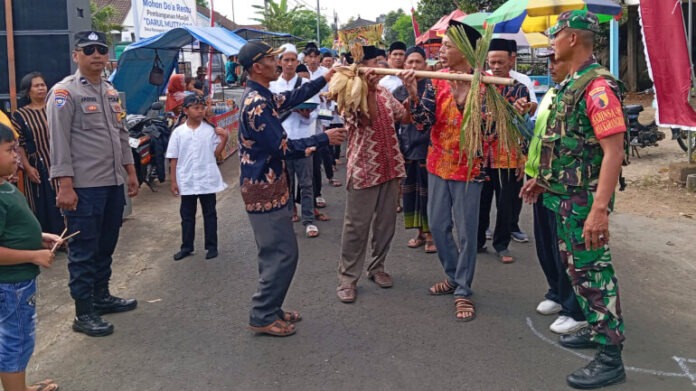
x=289 y=48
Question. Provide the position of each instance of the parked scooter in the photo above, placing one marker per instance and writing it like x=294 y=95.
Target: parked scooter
x=148 y=138
x=641 y=136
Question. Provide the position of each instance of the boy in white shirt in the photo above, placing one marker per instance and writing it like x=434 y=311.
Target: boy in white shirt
x=193 y=148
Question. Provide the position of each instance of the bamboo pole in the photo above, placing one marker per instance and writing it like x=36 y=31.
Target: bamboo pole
x=443 y=75
x=11 y=70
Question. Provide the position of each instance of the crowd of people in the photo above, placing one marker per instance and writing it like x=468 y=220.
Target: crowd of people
x=402 y=156
x=408 y=147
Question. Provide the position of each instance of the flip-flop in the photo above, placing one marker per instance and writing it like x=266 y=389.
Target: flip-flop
x=430 y=247
x=415 y=242
x=321 y=216
x=505 y=257
x=46 y=385
x=279 y=328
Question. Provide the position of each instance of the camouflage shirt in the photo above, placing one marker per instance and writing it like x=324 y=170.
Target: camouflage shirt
x=571 y=156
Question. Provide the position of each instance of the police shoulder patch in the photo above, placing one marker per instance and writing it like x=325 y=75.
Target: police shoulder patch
x=60 y=96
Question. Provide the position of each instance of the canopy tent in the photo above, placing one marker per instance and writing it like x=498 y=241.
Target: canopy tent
x=137 y=60
x=272 y=38
x=435 y=33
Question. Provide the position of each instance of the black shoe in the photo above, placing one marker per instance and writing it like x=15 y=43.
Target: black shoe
x=581 y=339
x=606 y=369
x=92 y=325
x=482 y=250
x=181 y=255
x=109 y=304
x=211 y=254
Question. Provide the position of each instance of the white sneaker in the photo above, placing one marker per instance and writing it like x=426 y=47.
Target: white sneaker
x=548 y=307
x=566 y=325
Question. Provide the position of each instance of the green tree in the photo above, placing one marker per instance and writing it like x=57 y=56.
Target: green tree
x=430 y=11
x=389 y=34
x=276 y=16
x=202 y=3
x=304 y=25
x=103 y=20
x=403 y=29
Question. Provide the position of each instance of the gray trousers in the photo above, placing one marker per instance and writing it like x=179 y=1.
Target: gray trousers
x=376 y=207
x=277 y=257
x=300 y=171
x=455 y=203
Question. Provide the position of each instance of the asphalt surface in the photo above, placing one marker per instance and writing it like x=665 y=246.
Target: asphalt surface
x=189 y=330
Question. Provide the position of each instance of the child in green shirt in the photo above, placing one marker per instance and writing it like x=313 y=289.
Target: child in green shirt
x=23 y=248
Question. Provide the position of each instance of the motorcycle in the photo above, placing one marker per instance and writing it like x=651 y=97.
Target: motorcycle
x=641 y=136
x=683 y=139
x=148 y=138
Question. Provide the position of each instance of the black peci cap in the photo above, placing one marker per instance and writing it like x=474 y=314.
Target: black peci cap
x=254 y=51
x=499 y=45
x=513 y=45
x=86 y=38
x=415 y=49
x=370 y=52
x=471 y=32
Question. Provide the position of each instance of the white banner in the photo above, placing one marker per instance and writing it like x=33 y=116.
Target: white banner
x=151 y=17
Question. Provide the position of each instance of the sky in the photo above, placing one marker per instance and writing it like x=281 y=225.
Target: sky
x=367 y=9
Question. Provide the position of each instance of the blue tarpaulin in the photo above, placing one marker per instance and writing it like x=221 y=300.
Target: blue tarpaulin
x=135 y=64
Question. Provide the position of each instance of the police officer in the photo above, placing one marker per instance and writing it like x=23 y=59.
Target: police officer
x=580 y=162
x=89 y=146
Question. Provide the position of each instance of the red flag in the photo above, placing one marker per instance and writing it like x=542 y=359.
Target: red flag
x=416 y=30
x=668 y=65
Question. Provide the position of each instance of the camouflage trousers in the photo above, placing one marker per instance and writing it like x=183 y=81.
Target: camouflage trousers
x=590 y=271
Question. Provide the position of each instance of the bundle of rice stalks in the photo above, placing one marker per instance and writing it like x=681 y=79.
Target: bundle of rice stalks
x=500 y=113
x=348 y=89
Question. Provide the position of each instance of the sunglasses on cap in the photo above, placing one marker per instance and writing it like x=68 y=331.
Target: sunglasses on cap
x=195 y=100
x=89 y=50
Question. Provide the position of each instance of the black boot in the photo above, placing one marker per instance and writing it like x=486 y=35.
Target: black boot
x=581 y=339
x=88 y=322
x=606 y=369
x=104 y=303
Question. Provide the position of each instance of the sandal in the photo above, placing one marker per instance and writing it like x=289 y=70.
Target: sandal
x=346 y=294
x=46 y=385
x=442 y=288
x=320 y=202
x=416 y=242
x=335 y=183
x=462 y=307
x=321 y=216
x=430 y=247
x=311 y=231
x=292 y=316
x=279 y=328
x=504 y=256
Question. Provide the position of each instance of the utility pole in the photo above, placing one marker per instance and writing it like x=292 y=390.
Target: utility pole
x=318 y=35
x=233 y=14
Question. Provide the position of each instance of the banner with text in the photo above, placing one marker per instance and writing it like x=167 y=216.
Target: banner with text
x=152 y=17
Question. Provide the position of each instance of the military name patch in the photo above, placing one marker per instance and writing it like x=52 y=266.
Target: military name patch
x=599 y=97
x=60 y=97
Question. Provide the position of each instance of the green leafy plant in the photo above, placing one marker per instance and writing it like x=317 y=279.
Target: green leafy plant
x=499 y=112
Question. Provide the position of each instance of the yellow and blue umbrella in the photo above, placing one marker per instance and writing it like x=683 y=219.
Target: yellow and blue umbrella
x=536 y=16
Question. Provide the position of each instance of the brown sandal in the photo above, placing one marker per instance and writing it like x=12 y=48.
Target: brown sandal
x=430 y=247
x=279 y=328
x=462 y=307
x=45 y=385
x=442 y=288
x=292 y=316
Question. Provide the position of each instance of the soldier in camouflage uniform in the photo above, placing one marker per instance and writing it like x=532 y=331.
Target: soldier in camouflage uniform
x=581 y=157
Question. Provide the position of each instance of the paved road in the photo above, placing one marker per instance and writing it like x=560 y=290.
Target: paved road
x=189 y=331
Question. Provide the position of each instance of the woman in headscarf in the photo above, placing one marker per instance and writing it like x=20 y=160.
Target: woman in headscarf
x=176 y=91
x=31 y=123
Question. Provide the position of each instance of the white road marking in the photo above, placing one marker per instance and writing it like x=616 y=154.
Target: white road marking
x=682 y=362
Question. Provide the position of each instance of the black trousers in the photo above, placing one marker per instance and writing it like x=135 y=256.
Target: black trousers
x=516 y=210
x=188 y=220
x=546 y=240
x=506 y=188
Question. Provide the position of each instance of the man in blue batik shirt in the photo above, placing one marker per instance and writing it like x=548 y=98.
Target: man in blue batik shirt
x=263 y=148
